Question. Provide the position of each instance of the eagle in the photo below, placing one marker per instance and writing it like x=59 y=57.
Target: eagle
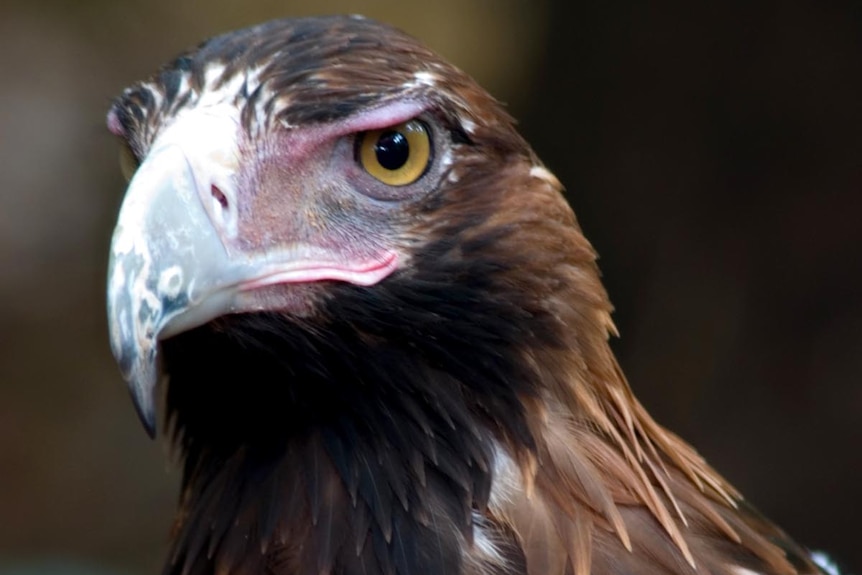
x=379 y=333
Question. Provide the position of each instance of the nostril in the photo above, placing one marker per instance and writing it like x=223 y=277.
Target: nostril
x=221 y=210
x=219 y=196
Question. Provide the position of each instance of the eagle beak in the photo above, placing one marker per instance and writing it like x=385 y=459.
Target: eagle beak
x=166 y=258
x=177 y=260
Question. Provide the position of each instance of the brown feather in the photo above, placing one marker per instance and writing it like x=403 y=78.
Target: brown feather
x=604 y=455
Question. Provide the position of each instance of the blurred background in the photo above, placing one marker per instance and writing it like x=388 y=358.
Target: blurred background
x=713 y=154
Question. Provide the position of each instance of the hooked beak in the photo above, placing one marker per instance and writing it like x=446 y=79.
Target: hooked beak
x=163 y=253
x=176 y=261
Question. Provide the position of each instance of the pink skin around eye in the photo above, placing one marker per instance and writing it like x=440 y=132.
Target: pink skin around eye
x=302 y=142
x=389 y=115
x=343 y=263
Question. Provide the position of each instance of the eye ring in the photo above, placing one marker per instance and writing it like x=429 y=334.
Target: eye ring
x=397 y=155
x=128 y=161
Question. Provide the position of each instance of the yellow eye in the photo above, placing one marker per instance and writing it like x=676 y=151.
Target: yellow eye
x=398 y=155
x=128 y=162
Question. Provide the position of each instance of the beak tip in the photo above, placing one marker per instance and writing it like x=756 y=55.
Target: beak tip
x=147 y=416
x=142 y=385
x=142 y=397
x=139 y=368
x=133 y=327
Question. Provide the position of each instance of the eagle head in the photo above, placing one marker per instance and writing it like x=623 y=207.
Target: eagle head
x=383 y=333
x=283 y=163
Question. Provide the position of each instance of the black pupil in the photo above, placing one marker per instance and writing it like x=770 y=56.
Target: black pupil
x=392 y=150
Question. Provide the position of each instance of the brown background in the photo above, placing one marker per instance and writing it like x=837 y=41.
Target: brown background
x=713 y=154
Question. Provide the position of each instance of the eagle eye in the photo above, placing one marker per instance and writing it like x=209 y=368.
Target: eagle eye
x=398 y=155
x=128 y=161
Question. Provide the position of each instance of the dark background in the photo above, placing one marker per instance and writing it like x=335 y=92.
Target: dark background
x=713 y=154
